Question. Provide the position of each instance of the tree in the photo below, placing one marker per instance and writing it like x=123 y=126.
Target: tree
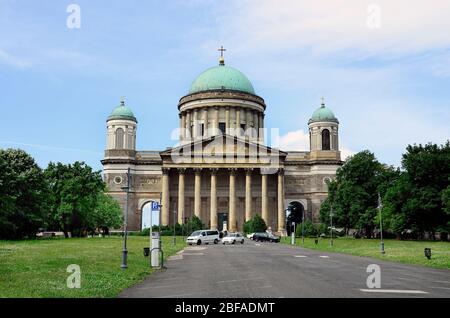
x=74 y=190
x=23 y=193
x=255 y=224
x=416 y=200
x=353 y=196
x=296 y=215
x=107 y=214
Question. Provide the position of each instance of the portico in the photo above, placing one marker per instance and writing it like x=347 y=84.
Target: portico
x=246 y=191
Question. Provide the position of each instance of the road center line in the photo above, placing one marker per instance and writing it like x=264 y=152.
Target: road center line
x=394 y=291
x=300 y=256
x=237 y=280
x=324 y=256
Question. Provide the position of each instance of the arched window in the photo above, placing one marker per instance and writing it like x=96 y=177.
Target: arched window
x=325 y=139
x=119 y=138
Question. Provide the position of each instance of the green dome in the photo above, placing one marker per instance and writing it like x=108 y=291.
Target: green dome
x=222 y=77
x=122 y=112
x=323 y=114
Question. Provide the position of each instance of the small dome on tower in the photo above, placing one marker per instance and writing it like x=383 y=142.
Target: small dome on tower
x=323 y=113
x=122 y=112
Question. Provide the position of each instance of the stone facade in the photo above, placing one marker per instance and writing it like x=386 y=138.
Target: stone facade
x=221 y=170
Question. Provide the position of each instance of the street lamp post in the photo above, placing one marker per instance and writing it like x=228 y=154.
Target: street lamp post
x=174 y=226
x=331 y=225
x=380 y=207
x=303 y=227
x=125 y=233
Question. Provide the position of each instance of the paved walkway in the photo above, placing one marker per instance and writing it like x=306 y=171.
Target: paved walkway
x=278 y=270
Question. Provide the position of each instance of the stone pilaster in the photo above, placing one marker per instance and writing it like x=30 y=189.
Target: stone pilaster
x=281 y=212
x=232 y=201
x=213 y=209
x=248 y=194
x=181 y=212
x=197 y=194
x=165 y=197
x=264 y=198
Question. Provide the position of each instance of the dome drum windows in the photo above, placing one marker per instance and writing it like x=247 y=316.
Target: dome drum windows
x=326 y=144
x=120 y=136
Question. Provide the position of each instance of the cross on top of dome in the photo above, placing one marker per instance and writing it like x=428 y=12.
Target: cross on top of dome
x=221 y=59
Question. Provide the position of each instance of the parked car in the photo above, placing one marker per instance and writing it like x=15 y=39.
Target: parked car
x=250 y=236
x=233 y=238
x=203 y=236
x=266 y=237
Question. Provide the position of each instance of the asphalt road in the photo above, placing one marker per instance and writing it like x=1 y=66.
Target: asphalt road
x=278 y=270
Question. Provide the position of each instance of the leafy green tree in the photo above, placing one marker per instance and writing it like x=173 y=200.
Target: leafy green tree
x=106 y=214
x=255 y=224
x=296 y=214
x=23 y=192
x=416 y=200
x=309 y=229
x=353 y=195
x=194 y=224
x=74 y=190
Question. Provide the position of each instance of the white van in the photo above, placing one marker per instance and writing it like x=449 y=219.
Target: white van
x=203 y=236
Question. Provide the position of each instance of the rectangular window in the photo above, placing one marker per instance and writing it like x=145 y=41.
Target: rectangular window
x=202 y=129
x=222 y=128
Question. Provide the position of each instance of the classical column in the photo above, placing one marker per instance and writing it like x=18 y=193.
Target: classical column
x=261 y=128
x=197 y=195
x=248 y=194
x=188 y=125
x=181 y=212
x=249 y=123
x=281 y=212
x=205 y=122
x=195 y=122
x=227 y=119
x=183 y=126
x=216 y=120
x=214 y=198
x=264 y=198
x=165 y=197
x=255 y=125
x=238 y=121
x=232 y=209
x=233 y=122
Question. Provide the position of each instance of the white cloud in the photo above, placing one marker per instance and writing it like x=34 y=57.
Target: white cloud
x=13 y=60
x=329 y=26
x=299 y=141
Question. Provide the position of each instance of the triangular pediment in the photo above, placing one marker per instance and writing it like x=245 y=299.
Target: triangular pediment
x=223 y=149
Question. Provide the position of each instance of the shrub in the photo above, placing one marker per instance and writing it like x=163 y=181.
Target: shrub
x=255 y=224
x=309 y=229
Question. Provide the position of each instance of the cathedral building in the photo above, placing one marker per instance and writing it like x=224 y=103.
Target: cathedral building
x=221 y=170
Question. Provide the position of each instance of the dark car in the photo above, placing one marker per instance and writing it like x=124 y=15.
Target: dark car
x=265 y=237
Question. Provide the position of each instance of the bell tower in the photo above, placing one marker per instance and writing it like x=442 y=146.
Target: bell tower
x=324 y=134
x=121 y=132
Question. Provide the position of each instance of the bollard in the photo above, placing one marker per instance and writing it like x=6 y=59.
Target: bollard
x=427 y=252
x=146 y=251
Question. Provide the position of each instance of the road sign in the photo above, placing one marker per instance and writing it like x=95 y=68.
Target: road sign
x=155 y=206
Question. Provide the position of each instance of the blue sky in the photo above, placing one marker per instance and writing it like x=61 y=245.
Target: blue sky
x=388 y=85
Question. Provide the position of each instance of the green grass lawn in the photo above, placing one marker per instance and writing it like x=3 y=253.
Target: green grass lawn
x=37 y=268
x=409 y=252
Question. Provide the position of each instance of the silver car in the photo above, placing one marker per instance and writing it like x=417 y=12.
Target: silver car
x=233 y=238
